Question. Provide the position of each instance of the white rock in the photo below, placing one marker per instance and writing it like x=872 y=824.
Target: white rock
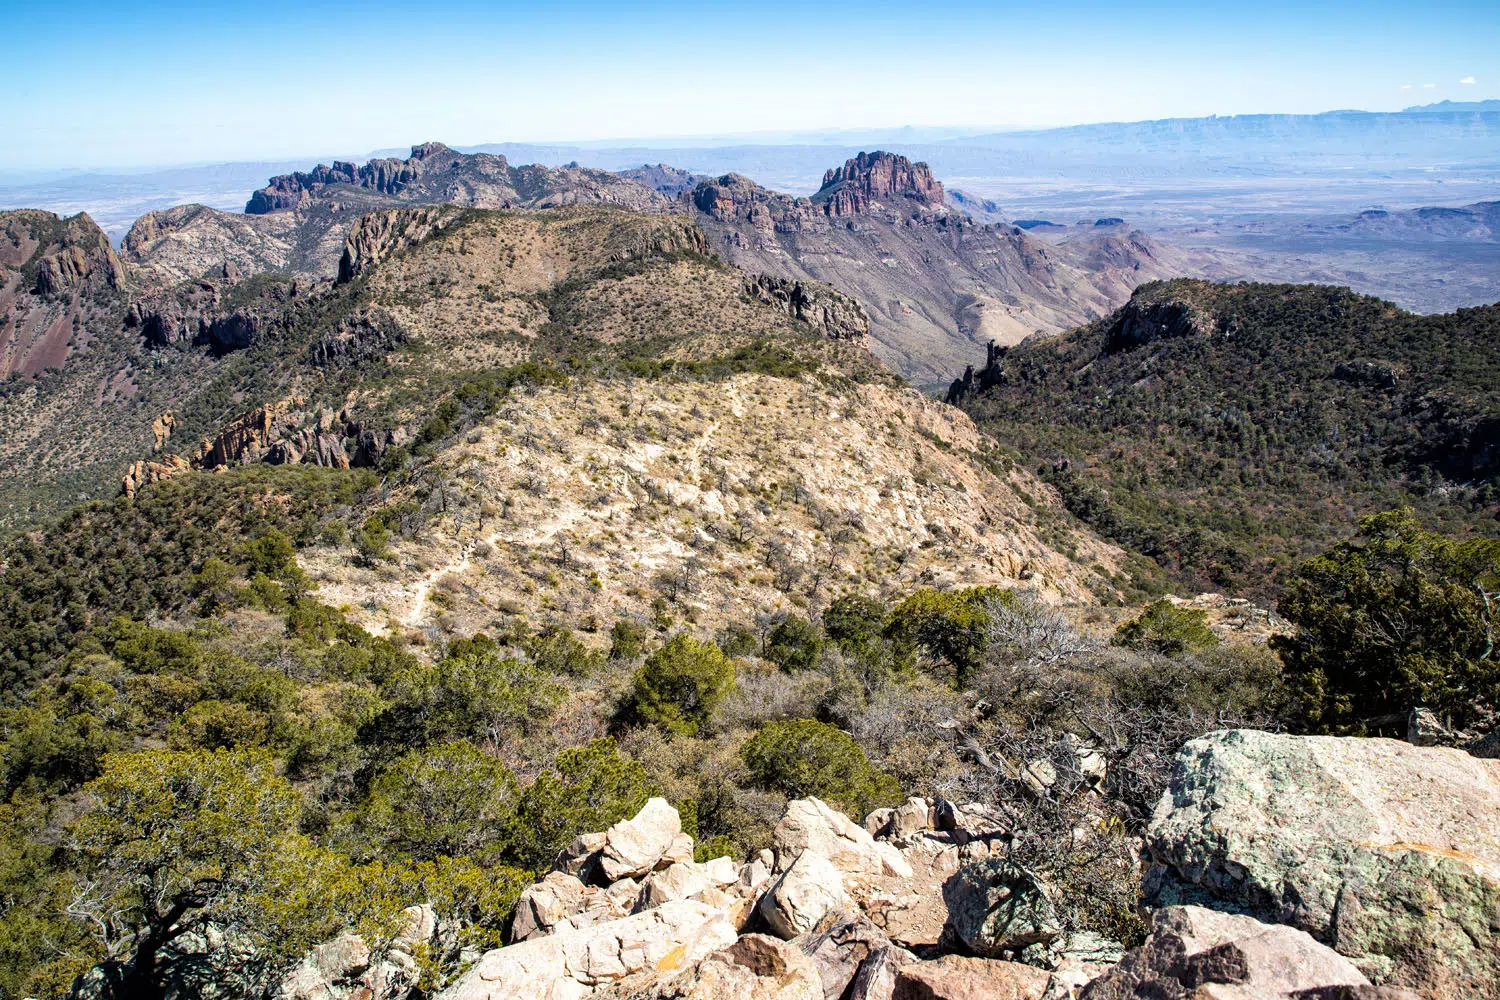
x=634 y=846
x=682 y=880
x=569 y=964
x=803 y=894
x=811 y=824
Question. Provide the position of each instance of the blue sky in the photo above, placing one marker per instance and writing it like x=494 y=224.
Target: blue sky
x=118 y=84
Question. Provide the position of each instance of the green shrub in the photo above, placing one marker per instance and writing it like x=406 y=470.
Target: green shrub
x=682 y=684
x=592 y=788
x=448 y=800
x=1393 y=618
x=794 y=643
x=804 y=757
x=1166 y=629
x=625 y=640
x=948 y=625
x=854 y=620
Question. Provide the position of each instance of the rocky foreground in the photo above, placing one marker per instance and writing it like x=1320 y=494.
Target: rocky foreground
x=1279 y=867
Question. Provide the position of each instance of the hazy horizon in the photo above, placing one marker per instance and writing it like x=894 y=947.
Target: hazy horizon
x=127 y=85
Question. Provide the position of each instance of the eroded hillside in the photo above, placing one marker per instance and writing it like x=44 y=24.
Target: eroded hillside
x=938 y=285
x=727 y=499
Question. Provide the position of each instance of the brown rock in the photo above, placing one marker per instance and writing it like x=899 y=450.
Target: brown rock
x=877 y=176
x=954 y=977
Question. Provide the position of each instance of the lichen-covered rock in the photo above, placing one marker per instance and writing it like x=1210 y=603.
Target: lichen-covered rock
x=997 y=908
x=1388 y=852
x=1192 y=948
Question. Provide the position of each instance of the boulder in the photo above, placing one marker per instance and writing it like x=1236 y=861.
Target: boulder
x=1192 y=949
x=811 y=824
x=803 y=895
x=840 y=943
x=954 y=977
x=912 y=816
x=682 y=880
x=756 y=967
x=1388 y=852
x=544 y=904
x=876 y=979
x=572 y=963
x=878 y=823
x=633 y=847
x=998 y=908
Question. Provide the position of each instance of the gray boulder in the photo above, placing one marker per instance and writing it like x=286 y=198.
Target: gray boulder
x=997 y=909
x=1388 y=852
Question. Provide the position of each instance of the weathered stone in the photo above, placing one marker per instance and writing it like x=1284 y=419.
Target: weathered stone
x=681 y=849
x=571 y=963
x=756 y=967
x=912 y=816
x=803 y=895
x=954 y=977
x=1192 y=948
x=633 y=847
x=838 y=946
x=543 y=905
x=878 y=822
x=997 y=908
x=811 y=824
x=1388 y=852
x=876 y=979
x=682 y=880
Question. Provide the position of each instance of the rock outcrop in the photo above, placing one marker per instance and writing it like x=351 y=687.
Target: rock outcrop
x=1149 y=317
x=875 y=177
x=833 y=313
x=1192 y=949
x=144 y=473
x=435 y=173
x=61 y=284
x=576 y=962
x=378 y=235
x=1387 y=852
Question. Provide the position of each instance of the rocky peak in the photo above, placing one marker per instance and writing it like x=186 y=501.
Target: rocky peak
x=874 y=177
x=1155 y=313
x=82 y=257
x=380 y=234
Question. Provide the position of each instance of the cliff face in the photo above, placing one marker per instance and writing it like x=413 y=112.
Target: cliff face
x=60 y=282
x=435 y=173
x=872 y=178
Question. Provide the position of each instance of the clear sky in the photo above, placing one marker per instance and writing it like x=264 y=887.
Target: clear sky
x=118 y=83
